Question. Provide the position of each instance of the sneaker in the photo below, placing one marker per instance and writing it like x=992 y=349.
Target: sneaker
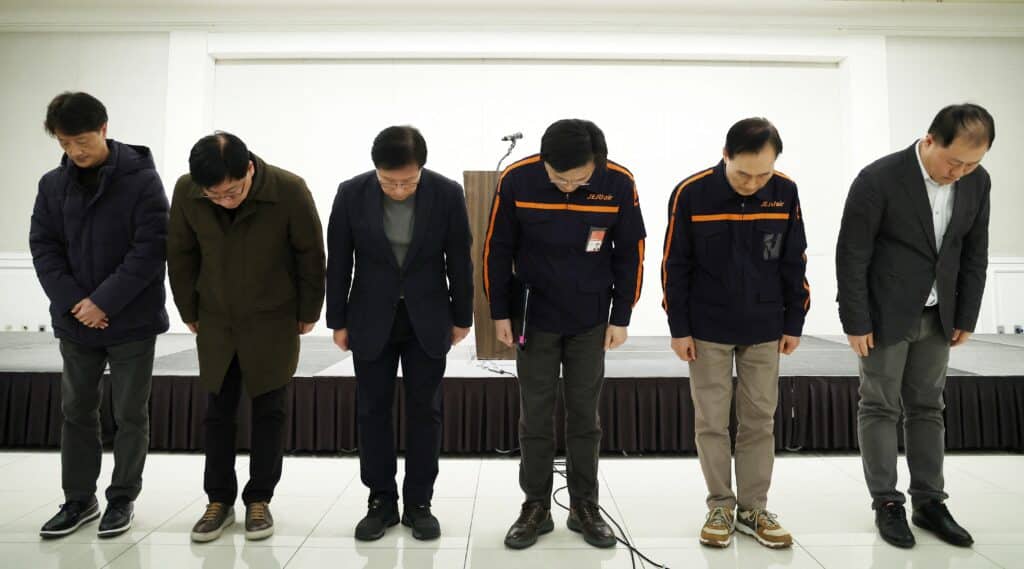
x=585 y=518
x=763 y=526
x=423 y=523
x=718 y=528
x=117 y=519
x=259 y=524
x=72 y=515
x=381 y=514
x=217 y=517
x=534 y=520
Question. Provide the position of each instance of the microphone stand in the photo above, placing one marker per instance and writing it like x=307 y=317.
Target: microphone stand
x=510 y=148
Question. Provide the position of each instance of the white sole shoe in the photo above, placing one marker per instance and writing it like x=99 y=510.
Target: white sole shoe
x=715 y=543
x=260 y=534
x=744 y=529
x=61 y=533
x=114 y=532
x=212 y=535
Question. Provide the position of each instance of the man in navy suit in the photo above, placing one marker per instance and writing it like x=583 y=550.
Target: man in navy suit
x=406 y=229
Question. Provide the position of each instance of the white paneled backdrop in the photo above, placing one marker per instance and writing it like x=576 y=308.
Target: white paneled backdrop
x=311 y=102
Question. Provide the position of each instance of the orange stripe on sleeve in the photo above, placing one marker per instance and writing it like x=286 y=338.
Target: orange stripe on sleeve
x=671 y=231
x=639 y=273
x=487 y=245
x=494 y=214
x=640 y=244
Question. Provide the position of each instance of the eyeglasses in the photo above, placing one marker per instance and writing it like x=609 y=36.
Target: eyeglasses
x=229 y=194
x=398 y=185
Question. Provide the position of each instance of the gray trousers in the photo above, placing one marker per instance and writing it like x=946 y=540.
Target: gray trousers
x=582 y=357
x=909 y=377
x=81 y=450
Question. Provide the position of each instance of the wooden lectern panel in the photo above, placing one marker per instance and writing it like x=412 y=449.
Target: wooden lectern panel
x=480 y=187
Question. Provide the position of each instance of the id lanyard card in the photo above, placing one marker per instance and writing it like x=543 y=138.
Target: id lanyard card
x=595 y=240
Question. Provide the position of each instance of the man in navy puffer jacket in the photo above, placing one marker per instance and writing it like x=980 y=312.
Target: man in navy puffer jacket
x=98 y=241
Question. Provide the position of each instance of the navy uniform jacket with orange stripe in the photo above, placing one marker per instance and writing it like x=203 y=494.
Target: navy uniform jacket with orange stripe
x=538 y=236
x=734 y=267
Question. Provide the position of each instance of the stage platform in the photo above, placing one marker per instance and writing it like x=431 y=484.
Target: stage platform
x=646 y=406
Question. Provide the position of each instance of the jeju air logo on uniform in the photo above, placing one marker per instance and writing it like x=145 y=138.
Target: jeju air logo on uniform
x=600 y=197
x=773 y=204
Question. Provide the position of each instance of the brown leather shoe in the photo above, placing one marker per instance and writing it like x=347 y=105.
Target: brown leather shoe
x=585 y=518
x=534 y=520
x=217 y=517
x=259 y=524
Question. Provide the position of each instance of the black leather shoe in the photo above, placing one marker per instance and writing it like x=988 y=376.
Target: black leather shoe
x=891 y=520
x=585 y=518
x=117 y=519
x=72 y=515
x=534 y=521
x=935 y=517
x=381 y=514
x=423 y=523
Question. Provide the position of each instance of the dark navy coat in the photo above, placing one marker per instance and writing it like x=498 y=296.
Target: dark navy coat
x=109 y=246
x=581 y=253
x=734 y=267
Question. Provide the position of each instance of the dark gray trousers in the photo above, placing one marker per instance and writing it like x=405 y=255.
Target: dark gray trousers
x=81 y=449
x=581 y=358
x=907 y=377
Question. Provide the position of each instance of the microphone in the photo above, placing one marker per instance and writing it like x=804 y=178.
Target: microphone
x=511 y=139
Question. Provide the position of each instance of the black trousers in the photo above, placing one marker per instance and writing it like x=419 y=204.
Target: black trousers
x=266 y=454
x=580 y=359
x=375 y=397
x=131 y=375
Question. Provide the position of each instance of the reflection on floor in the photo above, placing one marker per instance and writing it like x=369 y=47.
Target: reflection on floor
x=658 y=501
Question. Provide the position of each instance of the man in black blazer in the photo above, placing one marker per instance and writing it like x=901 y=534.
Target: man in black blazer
x=411 y=299
x=911 y=261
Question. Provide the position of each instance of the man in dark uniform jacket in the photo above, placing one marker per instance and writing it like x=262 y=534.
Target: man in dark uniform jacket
x=564 y=255
x=735 y=292
x=403 y=231
x=911 y=262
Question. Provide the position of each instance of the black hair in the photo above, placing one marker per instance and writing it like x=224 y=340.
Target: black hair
x=74 y=113
x=750 y=136
x=398 y=146
x=571 y=143
x=968 y=120
x=217 y=157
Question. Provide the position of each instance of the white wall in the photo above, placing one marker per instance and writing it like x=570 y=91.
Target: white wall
x=926 y=74
x=649 y=113
x=128 y=72
x=311 y=102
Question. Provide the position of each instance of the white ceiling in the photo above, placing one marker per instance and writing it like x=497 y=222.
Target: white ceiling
x=930 y=17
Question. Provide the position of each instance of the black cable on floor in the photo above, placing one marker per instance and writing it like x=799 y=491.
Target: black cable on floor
x=559 y=469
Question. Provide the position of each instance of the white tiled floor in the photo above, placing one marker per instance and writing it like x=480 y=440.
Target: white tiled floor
x=658 y=501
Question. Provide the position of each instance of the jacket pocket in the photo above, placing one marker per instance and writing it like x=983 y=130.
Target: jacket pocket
x=711 y=246
x=769 y=236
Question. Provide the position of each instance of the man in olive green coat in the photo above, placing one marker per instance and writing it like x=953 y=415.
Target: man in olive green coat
x=246 y=263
